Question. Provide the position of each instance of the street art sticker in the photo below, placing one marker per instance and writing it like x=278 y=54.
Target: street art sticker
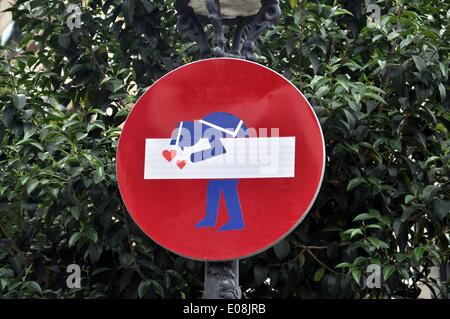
x=220 y=159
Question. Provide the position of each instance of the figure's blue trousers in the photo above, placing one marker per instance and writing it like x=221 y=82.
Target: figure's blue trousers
x=229 y=189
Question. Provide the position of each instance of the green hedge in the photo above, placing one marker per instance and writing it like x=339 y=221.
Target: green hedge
x=381 y=93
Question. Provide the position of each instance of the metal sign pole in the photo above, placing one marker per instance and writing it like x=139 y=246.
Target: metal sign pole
x=222 y=278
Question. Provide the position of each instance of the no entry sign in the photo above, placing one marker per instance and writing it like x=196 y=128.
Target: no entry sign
x=220 y=159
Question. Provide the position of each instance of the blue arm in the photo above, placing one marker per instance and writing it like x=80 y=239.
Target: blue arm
x=216 y=149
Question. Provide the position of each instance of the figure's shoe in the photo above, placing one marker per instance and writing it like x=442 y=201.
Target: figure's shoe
x=205 y=223
x=232 y=226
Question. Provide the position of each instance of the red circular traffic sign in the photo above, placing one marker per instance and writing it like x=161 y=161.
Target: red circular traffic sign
x=210 y=200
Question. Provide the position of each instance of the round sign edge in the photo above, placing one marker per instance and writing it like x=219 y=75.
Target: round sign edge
x=285 y=234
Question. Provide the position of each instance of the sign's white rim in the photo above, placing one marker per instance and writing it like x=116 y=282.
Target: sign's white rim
x=310 y=204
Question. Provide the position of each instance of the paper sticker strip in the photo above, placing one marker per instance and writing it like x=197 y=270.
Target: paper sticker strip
x=261 y=157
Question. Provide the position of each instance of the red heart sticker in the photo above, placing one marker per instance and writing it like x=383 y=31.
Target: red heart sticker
x=181 y=164
x=169 y=155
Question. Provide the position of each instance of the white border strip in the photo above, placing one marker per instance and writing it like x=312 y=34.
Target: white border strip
x=221 y=129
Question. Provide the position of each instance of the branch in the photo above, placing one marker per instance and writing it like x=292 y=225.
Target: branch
x=321 y=263
x=135 y=264
x=12 y=242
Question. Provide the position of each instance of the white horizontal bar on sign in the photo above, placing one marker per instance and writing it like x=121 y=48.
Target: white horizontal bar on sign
x=258 y=157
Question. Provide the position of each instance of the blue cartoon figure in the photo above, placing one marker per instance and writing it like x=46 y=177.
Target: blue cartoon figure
x=213 y=127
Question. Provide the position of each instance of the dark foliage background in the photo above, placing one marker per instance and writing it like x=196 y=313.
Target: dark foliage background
x=381 y=93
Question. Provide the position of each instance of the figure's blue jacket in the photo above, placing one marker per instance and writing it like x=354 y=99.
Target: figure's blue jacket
x=222 y=124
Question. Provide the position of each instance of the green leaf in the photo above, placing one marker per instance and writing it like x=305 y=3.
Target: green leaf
x=80 y=136
x=388 y=270
x=78 y=67
x=377 y=242
x=94 y=252
x=128 y=9
x=126 y=259
x=31 y=185
x=377 y=37
x=375 y=97
x=361 y=217
x=98 y=124
x=322 y=91
x=91 y=234
x=428 y=192
x=37 y=145
x=9 y=114
x=404 y=272
x=34 y=286
x=407 y=212
x=405 y=42
x=64 y=40
x=301 y=260
x=359 y=260
x=149 y=7
x=393 y=35
x=344 y=83
x=319 y=274
x=418 y=252
x=353 y=232
x=100 y=270
x=441 y=128
x=441 y=209
x=75 y=211
x=293 y=3
x=374 y=241
x=143 y=287
x=420 y=63
x=282 y=249
x=356 y=232
x=30 y=141
x=355 y=183
x=442 y=92
x=356 y=274
x=260 y=272
x=383 y=244
x=19 y=101
x=100 y=172
x=339 y=12
x=74 y=238
x=344 y=265
x=159 y=290
x=400 y=257
x=409 y=199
